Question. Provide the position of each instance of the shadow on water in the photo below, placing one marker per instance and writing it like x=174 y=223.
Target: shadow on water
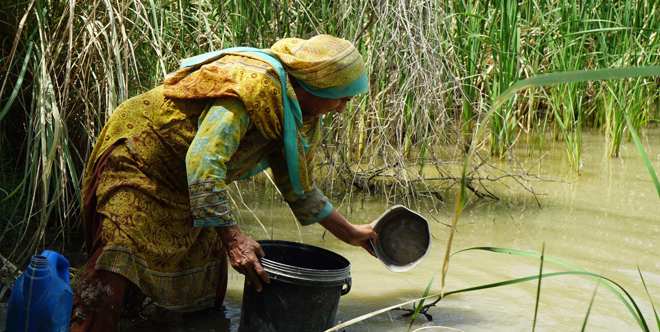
x=212 y=320
x=3 y=315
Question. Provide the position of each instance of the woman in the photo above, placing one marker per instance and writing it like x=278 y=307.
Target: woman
x=155 y=206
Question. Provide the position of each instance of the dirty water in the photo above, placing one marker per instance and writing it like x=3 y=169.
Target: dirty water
x=607 y=221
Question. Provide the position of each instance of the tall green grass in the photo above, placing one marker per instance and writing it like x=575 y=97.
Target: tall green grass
x=505 y=39
x=435 y=67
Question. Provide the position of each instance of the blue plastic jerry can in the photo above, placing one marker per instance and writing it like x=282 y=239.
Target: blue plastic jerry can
x=41 y=298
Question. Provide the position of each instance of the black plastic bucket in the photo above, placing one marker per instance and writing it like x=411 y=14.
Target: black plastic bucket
x=303 y=295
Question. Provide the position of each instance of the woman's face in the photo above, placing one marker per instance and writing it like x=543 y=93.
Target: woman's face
x=319 y=106
x=313 y=106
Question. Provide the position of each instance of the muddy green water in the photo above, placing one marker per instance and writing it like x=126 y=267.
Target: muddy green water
x=607 y=221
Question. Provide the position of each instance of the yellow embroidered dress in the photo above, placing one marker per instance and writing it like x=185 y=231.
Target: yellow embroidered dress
x=158 y=172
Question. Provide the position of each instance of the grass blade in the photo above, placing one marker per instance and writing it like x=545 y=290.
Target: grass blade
x=377 y=312
x=591 y=302
x=538 y=290
x=458 y=210
x=637 y=313
x=515 y=252
x=523 y=253
x=576 y=76
x=657 y=319
x=18 y=84
x=419 y=306
x=643 y=154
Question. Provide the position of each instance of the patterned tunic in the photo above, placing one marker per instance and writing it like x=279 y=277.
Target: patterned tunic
x=159 y=170
x=219 y=136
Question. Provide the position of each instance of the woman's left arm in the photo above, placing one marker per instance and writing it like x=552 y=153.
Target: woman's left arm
x=357 y=235
x=313 y=206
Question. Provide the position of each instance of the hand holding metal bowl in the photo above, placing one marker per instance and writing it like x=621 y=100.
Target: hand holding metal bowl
x=404 y=238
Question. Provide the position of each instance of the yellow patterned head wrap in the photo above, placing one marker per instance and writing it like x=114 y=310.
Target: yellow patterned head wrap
x=325 y=66
x=322 y=61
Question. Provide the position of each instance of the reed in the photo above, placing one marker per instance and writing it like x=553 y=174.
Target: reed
x=469 y=38
x=506 y=45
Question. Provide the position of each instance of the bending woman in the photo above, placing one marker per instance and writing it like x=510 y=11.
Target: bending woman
x=155 y=208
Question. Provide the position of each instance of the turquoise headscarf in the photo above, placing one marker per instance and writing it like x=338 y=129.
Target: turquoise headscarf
x=319 y=83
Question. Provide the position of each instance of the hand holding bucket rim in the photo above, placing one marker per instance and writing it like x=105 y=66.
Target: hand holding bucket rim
x=244 y=254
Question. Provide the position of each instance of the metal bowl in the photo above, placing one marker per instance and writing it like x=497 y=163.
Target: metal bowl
x=404 y=238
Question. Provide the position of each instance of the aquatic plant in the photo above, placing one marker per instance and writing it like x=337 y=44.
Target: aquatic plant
x=619 y=291
x=506 y=45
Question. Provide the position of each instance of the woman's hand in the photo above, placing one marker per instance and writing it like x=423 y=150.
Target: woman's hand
x=244 y=254
x=364 y=237
x=357 y=235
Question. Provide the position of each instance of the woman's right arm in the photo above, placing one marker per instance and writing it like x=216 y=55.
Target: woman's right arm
x=218 y=136
x=217 y=139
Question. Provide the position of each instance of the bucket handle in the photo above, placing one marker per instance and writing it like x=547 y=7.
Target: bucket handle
x=346 y=286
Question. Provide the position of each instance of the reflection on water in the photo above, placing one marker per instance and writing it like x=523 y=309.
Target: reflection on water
x=607 y=221
x=208 y=320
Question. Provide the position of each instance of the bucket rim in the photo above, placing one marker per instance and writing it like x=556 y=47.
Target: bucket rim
x=294 y=274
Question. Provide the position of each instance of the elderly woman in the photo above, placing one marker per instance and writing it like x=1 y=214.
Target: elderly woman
x=155 y=206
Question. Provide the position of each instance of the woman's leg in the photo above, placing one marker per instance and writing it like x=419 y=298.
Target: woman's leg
x=98 y=299
x=221 y=290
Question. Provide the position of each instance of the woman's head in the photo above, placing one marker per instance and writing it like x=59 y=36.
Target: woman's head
x=314 y=106
x=326 y=71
